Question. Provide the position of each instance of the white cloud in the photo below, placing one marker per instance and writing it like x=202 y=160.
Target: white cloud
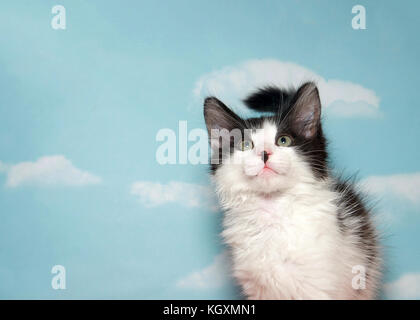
x=47 y=171
x=405 y=186
x=153 y=194
x=215 y=275
x=406 y=287
x=231 y=84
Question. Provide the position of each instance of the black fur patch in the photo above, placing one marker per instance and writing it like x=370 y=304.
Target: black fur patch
x=269 y=99
x=355 y=205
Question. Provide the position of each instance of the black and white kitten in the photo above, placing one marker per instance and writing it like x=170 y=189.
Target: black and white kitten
x=295 y=231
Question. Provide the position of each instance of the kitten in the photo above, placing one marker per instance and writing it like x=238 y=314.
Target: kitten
x=294 y=230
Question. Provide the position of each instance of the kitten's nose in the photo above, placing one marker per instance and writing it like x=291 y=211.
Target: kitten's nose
x=264 y=156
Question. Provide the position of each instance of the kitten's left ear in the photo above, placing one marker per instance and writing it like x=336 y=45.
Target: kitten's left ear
x=306 y=112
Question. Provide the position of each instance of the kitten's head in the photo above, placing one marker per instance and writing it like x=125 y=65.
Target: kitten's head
x=270 y=153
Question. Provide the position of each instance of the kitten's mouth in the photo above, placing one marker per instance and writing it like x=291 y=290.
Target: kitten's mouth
x=267 y=172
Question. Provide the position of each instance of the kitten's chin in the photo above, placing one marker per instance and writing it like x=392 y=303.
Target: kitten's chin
x=267 y=173
x=269 y=181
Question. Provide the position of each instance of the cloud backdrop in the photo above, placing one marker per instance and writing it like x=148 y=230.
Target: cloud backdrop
x=47 y=171
x=404 y=186
x=190 y=195
x=233 y=83
x=406 y=287
x=216 y=275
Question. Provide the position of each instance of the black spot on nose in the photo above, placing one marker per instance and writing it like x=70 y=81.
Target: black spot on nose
x=264 y=156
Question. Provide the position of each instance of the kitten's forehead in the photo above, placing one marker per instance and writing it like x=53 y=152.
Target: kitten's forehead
x=266 y=133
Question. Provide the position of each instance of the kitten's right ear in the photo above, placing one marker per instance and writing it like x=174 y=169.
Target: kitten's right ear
x=218 y=116
x=306 y=110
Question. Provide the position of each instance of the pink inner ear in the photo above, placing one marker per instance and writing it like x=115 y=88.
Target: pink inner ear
x=308 y=123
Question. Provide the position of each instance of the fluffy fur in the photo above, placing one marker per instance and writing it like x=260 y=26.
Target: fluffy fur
x=294 y=230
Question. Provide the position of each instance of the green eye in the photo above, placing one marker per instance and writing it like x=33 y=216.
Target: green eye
x=245 y=145
x=284 y=141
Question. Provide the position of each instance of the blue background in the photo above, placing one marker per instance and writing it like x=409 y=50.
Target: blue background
x=99 y=91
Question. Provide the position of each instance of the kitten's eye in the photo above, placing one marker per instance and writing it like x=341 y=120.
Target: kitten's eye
x=245 y=145
x=284 y=141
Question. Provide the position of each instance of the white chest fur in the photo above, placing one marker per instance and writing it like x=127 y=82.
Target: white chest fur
x=289 y=246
